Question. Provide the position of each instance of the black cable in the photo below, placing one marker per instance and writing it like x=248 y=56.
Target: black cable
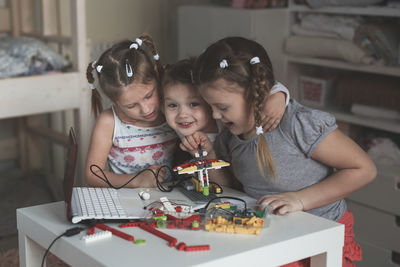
x=176 y=181
x=215 y=198
x=69 y=232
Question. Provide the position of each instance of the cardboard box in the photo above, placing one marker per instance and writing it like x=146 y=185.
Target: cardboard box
x=315 y=91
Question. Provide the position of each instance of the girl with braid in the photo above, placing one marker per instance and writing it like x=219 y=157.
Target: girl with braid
x=305 y=164
x=132 y=135
x=190 y=116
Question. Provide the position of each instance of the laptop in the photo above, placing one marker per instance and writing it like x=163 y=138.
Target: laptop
x=84 y=204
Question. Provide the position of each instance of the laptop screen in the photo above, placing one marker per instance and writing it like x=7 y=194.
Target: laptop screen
x=69 y=171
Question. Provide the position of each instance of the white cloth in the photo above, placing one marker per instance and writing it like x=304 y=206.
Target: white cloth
x=345 y=50
x=339 y=25
x=384 y=151
x=278 y=87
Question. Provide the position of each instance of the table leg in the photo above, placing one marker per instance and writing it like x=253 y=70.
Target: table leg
x=332 y=258
x=30 y=253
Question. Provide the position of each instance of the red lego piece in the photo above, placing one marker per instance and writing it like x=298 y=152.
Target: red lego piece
x=130 y=224
x=171 y=225
x=115 y=231
x=162 y=235
x=91 y=230
x=178 y=209
x=181 y=246
x=197 y=248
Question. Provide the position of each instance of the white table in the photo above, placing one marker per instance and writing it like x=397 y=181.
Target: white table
x=285 y=239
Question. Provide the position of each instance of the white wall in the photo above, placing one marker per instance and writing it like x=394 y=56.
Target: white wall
x=119 y=19
x=111 y=21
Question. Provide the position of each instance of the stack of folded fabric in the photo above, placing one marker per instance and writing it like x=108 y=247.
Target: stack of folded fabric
x=348 y=38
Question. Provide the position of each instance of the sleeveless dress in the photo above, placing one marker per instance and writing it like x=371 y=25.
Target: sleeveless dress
x=136 y=148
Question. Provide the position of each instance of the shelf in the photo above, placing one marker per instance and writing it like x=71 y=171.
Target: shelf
x=378 y=69
x=36 y=94
x=345 y=116
x=349 y=10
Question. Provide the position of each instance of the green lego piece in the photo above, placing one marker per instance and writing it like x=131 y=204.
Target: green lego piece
x=262 y=213
x=163 y=218
x=206 y=191
x=195 y=224
x=161 y=221
x=139 y=241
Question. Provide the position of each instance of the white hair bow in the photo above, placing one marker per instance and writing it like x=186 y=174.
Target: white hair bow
x=254 y=60
x=259 y=130
x=99 y=68
x=223 y=64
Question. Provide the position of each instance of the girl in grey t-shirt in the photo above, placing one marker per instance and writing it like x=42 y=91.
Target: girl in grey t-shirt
x=306 y=164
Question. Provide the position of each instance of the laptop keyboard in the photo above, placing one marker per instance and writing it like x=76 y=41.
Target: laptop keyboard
x=99 y=202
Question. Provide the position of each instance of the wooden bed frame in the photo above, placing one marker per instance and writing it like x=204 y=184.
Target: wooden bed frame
x=61 y=24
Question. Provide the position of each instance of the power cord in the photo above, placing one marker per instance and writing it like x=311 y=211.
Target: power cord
x=69 y=232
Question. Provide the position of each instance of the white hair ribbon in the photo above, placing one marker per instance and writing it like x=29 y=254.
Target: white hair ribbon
x=254 y=60
x=139 y=41
x=134 y=45
x=99 y=68
x=191 y=76
x=259 y=130
x=156 y=57
x=94 y=64
x=128 y=69
x=91 y=85
x=223 y=64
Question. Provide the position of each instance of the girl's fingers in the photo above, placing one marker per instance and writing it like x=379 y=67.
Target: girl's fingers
x=264 y=201
x=276 y=204
x=267 y=123
x=273 y=126
x=183 y=147
x=185 y=142
x=193 y=142
x=283 y=210
x=197 y=137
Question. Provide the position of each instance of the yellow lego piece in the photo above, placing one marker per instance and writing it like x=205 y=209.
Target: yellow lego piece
x=251 y=225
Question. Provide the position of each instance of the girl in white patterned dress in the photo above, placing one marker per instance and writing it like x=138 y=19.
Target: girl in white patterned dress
x=132 y=135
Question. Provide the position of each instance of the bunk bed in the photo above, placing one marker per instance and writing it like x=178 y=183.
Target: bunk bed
x=61 y=26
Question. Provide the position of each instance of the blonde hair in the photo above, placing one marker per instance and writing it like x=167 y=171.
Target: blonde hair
x=256 y=80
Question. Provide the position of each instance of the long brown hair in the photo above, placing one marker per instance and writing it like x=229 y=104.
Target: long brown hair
x=113 y=65
x=255 y=79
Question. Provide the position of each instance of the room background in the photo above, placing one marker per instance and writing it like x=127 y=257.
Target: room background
x=361 y=89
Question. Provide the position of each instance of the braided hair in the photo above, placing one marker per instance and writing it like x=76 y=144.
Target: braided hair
x=121 y=65
x=230 y=59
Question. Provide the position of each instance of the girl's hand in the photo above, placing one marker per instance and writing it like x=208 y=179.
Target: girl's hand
x=273 y=111
x=191 y=143
x=147 y=178
x=282 y=203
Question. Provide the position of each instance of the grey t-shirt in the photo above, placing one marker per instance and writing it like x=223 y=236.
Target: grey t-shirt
x=291 y=144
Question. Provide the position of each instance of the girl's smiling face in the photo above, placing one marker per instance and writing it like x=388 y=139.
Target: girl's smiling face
x=229 y=105
x=186 y=111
